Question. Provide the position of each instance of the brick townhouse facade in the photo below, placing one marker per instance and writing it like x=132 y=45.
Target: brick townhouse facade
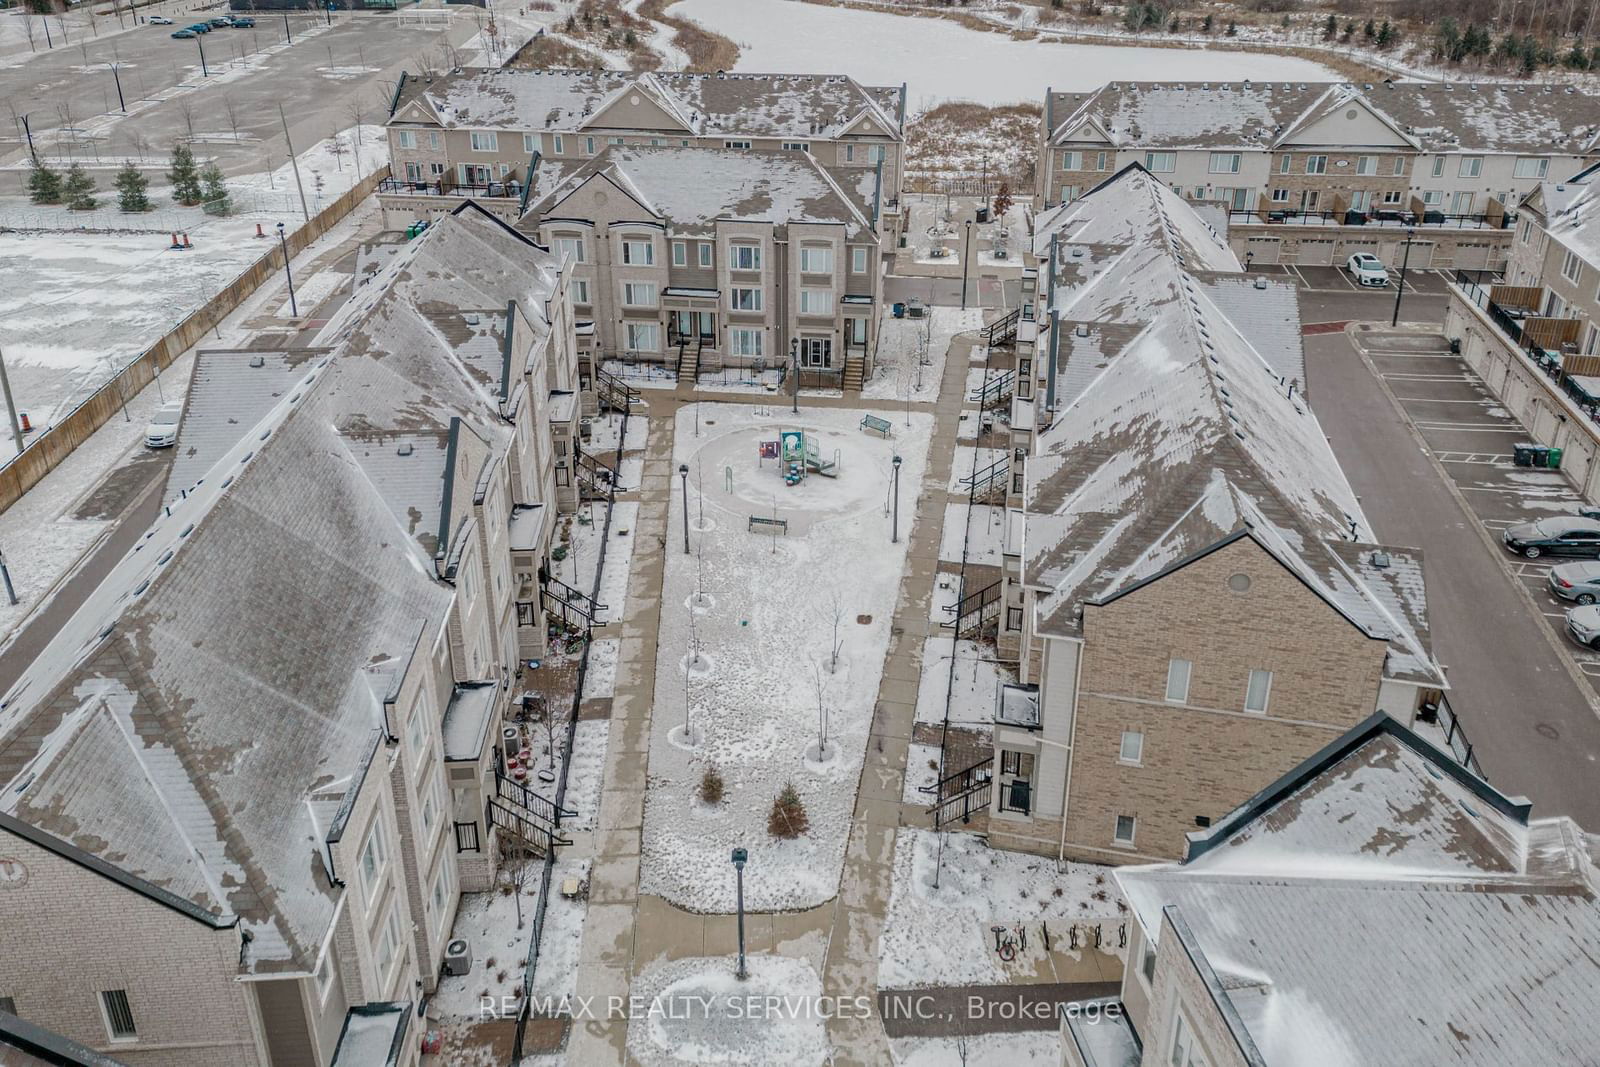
x=700 y=263
x=507 y=136
x=1196 y=602
x=1312 y=173
x=235 y=828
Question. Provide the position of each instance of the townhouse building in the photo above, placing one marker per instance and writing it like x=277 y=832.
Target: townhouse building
x=247 y=783
x=697 y=262
x=505 y=136
x=1194 y=598
x=1311 y=173
x=1379 y=855
x=1534 y=338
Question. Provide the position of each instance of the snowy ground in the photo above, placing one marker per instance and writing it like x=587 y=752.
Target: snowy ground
x=556 y=972
x=922 y=771
x=942 y=937
x=976 y=688
x=943 y=60
x=78 y=306
x=1030 y=1048
x=764 y=634
x=600 y=680
x=488 y=922
x=946 y=595
x=939 y=221
x=605 y=430
x=697 y=1012
x=962 y=468
x=583 y=779
x=902 y=344
x=986 y=534
x=583 y=540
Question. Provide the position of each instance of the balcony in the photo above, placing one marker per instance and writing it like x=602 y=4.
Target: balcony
x=1018 y=706
x=510 y=189
x=1386 y=218
x=1550 y=344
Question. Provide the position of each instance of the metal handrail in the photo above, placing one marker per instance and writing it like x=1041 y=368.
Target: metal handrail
x=440 y=187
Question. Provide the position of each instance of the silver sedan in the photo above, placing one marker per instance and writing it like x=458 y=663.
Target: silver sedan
x=1576 y=581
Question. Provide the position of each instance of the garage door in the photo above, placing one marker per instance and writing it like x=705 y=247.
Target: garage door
x=1577 y=460
x=1262 y=250
x=1316 y=253
x=1351 y=246
x=1421 y=255
x=1472 y=256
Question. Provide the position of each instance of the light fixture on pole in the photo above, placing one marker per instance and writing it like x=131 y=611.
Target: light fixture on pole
x=794 y=368
x=896 y=538
x=683 y=475
x=294 y=309
x=740 y=856
x=1401 y=288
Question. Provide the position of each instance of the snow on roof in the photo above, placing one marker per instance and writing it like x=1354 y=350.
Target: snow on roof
x=190 y=723
x=758 y=105
x=1438 y=117
x=1175 y=434
x=1267 y=313
x=373 y=1035
x=1575 y=223
x=693 y=187
x=1381 y=857
x=466 y=717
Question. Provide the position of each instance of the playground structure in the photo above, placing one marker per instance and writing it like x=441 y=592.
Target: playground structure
x=800 y=456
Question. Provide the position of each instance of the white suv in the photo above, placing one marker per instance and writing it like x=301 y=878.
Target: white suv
x=1365 y=268
x=163 y=429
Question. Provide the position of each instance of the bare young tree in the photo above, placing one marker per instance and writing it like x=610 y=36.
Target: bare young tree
x=516 y=867
x=835 y=615
x=233 y=116
x=186 y=109
x=822 y=714
x=140 y=143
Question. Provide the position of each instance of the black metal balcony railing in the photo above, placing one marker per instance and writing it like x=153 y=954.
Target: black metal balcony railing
x=509 y=189
x=1290 y=216
x=1508 y=321
x=467 y=837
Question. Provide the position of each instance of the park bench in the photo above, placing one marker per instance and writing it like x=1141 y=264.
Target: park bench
x=882 y=426
x=758 y=522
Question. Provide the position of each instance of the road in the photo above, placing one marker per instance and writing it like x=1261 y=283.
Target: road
x=1532 y=725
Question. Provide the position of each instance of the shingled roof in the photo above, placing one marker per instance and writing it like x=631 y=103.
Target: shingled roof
x=1180 y=436
x=1431 y=116
x=770 y=105
x=196 y=727
x=1382 y=856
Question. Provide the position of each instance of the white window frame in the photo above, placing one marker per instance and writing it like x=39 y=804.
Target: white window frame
x=639 y=295
x=810 y=299
x=797 y=146
x=1280 y=196
x=1531 y=167
x=1184 y=1048
x=558 y=144
x=530 y=143
x=809 y=254
x=440 y=895
x=1116 y=829
x=1399 y=166
x=1367 y=165
x=324 y=979
x=858 y=260
x=377 y=848
x=638 y=246
x=1470 y=167
x=389 y=941
x=573 y=245
x=580 y=291
x=1265 y=678
x=745 y=294
x=1178 y=680
x=1136 y=737
x=1571 y=266
x=408 y=139
x=849 y=153
x=588 y=146
x=744 y=256
x=1153 y=162
x=1225 y=162
x=746 y=341
x=416 y=724
x=705 y=253
x=637 y=330
x=1285 y=162
x=736 y=146
x=1316 y=164
x=1392 y=196
x=876 y=153
x=1432 y=197
x=484 y=140
x=680 y=254
x=1072 y=160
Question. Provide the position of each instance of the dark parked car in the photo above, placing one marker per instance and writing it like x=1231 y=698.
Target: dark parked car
x=243 y=23
x=1565 y=535
x=184 y=33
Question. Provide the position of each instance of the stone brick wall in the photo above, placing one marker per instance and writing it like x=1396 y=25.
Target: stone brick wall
x=1208 y=755
x=1179 y=986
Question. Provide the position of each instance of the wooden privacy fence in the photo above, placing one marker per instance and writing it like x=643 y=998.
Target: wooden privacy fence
x=56 y=443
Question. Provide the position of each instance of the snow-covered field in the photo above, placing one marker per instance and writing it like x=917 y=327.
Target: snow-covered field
x=698 y=1012
x=601 y=678
x=897 y=370
x=606 y=429
x=943 y=60
x=765 y=632
x=941 y=936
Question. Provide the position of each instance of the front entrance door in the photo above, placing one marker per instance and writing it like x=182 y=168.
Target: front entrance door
x=691 y=324
x=816 y=351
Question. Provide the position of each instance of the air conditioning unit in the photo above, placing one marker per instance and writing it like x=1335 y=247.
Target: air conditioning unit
x=586 y=427
x=457 y=958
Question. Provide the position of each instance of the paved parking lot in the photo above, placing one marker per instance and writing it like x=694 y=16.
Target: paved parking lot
x=1438 y=474
x=1337 y=280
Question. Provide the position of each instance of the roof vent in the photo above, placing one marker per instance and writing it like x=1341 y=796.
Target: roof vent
x=404 y=449
x=1261 y=283
x=1380 y=560
x=258 y=361
x=471 y=318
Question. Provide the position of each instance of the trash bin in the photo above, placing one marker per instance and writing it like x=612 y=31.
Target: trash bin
x=1553 y=461
x=983 y=214
x=1522 y=454
x=1541 y=455
x=899 y=311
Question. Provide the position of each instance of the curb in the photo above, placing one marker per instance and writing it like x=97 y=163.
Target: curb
x=1556 y=643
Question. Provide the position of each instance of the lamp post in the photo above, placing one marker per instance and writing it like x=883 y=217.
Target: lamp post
x=895 y=539
x=966 y=259
x=121 y=103
x=1401 y=288
x=794 y=368
x=683 y=476
x=739 y=858
x=5 y=573
x=294 y=309
x=204 y=72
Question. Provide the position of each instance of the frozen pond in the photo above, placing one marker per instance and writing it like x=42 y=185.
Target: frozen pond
x=943 y=60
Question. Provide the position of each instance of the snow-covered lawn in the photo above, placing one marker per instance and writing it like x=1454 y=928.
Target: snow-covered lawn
x=968 y=423
x=488 y=922
x=975 y=689
x=962 y=468
x=1029 y=1048
x=942 y=937
x=697 y=1012
x=605 y=430
x=764 y=632
x=922 y=770
x=556 y=972
x=986 y=534
x=903 y=344
x=583 y=543
x=943 y=60
x=601 y=678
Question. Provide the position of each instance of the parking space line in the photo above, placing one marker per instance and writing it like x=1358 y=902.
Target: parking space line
x=1470 y=427
x=1442 y=400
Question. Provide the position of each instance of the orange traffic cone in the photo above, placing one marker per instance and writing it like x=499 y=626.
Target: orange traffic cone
x=27 y=425
x=258 y=230
x=175 y=242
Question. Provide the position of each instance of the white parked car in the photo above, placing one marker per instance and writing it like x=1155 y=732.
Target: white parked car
x=1366 y=270
x=163 y=429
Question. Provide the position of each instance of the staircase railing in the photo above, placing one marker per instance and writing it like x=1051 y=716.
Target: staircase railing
x=559 y=598
x=996 y=473
x=1002 y=330
x=963 y=794
x=997 y=389
x=613 y=392
x=539 y=808
x=972 y=611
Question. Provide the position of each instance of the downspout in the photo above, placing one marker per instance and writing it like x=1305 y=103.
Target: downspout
x=1044 y=141
x=527 y=186
x=877 y=196
x=1072 y=750
x=394 y=101
x=902 y=109
x=1055 y=330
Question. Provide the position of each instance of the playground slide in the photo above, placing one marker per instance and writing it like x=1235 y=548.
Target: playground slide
x=815 y=462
